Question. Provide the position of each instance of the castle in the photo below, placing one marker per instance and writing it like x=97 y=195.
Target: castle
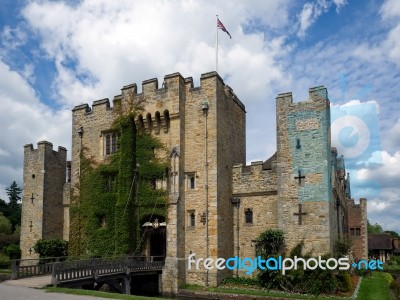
x=217 y=205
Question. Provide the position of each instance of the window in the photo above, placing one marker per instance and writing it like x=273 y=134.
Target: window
x=109 y=183
x=355 y=231
x=191 y=181
x=113 y=143
x=110 y=143
x=248 y=216
x=191 y=218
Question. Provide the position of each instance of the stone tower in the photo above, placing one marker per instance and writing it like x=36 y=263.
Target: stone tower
x=203 y=130
x=358 y=228
x=305 y=206
x=42 y=204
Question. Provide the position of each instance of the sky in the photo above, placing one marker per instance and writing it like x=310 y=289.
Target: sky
x=58 y=54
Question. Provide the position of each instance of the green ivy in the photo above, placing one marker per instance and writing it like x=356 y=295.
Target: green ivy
x=116 y=197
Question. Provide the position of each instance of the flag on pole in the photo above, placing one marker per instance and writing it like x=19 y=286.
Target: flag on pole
x=222 y=27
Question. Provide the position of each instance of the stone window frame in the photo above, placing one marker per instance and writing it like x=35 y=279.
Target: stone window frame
x=191 y=181
x=191 y=218
x=248 y=216
x=109 y=142
x=355 y=231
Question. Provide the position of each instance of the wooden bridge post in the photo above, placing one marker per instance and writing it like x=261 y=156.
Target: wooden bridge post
x=55 y=268
x=126 y=285
x=14 y=274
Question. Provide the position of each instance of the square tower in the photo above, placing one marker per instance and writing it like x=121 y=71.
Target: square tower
x=42 y=203
x=305 y=206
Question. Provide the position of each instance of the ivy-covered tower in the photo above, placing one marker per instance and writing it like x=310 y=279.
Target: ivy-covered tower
x=199 y=132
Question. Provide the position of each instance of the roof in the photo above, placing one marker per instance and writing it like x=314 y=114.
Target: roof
x=379 y=241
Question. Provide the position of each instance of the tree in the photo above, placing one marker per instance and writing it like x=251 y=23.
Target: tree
x=14 y=193
x=14 y=208
x=5 y=225
x=374 y=228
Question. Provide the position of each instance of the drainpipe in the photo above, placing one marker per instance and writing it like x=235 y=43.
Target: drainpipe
x=204 y=107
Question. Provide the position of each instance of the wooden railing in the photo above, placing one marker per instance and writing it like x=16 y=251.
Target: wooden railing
x=33 y=267
x=94 y=268
x=63 y=271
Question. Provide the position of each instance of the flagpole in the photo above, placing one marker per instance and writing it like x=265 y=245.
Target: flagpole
x=216 y=46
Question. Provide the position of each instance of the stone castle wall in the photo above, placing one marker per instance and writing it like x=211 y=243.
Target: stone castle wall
x=255 y=188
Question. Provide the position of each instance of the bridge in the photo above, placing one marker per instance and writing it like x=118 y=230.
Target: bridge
x=118 y=273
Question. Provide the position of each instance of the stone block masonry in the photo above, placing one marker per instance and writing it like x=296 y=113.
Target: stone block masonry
x=42 y=203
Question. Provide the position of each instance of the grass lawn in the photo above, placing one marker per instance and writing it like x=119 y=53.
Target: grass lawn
x=98 y=294
x=277 y=294
x=375 y=287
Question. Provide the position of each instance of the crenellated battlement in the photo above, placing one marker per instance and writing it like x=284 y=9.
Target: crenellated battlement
x=156 y=96
x=45 y=147
x=317 y=94
x=259 y=176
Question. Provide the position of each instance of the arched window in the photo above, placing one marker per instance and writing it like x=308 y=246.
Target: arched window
x=192 y=183
x=248 y=216
x=167 y=120
x=108 y=144
x=113 y=143
x=192 y=220
x=158 y=122
x=149 y=121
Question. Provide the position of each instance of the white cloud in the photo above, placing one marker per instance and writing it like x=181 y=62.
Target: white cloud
x=114 y=44
x=24 y=119
x=390 y=9
x=312 y=11
x=389 y=48
x=339 y=4
x=387 y=174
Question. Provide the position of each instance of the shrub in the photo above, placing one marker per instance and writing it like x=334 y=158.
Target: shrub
x=13 y=251
x=51 y=248
x=5 y=262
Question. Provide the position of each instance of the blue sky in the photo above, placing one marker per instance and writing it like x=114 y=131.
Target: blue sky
x=57 y=54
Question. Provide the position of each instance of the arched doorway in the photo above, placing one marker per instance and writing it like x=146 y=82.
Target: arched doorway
x=154 y=233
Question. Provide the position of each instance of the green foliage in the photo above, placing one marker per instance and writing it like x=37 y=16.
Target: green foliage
x=374 y=228
x=342 y=246
x=5 y=225
x=5 y=262
x=6 y=240
x=118 y=195
x=270 y=242
x=14 y=193
x=13 y=251
x=12 y=209
x=395 y=287
x=51 y=248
